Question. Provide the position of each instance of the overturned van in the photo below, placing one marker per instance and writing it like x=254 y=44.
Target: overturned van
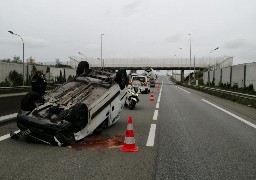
x=84 y=105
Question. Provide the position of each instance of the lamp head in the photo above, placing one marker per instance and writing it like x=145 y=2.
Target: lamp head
x=10 y=32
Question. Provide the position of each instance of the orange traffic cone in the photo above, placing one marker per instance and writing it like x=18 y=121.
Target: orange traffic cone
x=152 y=97
x=158 y=87
x=129 y=142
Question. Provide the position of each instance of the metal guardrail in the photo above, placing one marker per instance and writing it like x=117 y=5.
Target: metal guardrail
x=19 y=90
x=241 y=95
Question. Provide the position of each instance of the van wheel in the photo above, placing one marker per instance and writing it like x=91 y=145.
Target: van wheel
x=28 y=102
x=82 y=67
x=121 y=78
x=79 y=116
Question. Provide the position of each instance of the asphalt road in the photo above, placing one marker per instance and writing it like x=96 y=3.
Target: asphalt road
x=193 y=140
x=198 y=141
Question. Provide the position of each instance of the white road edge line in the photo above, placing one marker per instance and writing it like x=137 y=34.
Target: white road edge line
x=7 y=136
x=157 y=105
x=155 y=115
x=151 y=135
x=231 y=114
x=183 y=90
x=3 y=118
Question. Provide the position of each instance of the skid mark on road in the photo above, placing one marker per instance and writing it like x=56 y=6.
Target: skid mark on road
x=231 y=114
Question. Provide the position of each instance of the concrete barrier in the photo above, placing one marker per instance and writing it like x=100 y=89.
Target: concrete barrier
x=217 y=76
x=243 y=75
x=226 y=75
x=250 y=77
x=205 y=77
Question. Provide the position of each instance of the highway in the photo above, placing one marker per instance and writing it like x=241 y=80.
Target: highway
x=183 y=134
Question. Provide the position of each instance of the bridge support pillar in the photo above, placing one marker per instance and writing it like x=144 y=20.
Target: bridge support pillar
x=182 y=76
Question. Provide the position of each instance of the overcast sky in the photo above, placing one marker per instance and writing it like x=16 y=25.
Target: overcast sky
x=132 y=28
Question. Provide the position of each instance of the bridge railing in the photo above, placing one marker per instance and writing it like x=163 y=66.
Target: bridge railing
x=153 y=62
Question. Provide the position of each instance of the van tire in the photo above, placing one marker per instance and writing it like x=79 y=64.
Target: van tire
x=121 y=78
x=82 y=67
x=79 y=116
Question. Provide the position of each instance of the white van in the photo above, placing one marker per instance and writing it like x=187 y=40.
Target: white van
x=84 y=105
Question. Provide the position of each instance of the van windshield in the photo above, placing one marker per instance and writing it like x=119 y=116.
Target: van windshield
x=139 y=78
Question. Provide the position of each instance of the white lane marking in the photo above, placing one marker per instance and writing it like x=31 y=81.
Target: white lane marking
x=161 y=87
x=157 y=105
x=151 y=135
x=155 y=115
x=3 y=118
x=183 y=89
x=7 y=136
x=159 y=97
x=158 y=100
x=231 y=114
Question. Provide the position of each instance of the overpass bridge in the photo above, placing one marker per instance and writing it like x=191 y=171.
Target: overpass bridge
x=155 y=63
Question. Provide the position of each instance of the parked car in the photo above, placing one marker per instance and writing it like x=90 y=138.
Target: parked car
x=84 y=105
x=144 y=86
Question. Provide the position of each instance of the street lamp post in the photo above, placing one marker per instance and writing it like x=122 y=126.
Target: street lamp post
x=101 y=51
x=181 y=79
x=83 y=55
x=181 y=56
x=189 y=59
x=212 y=51
x=175 y=70
x=23 y=80
x=195 y=69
